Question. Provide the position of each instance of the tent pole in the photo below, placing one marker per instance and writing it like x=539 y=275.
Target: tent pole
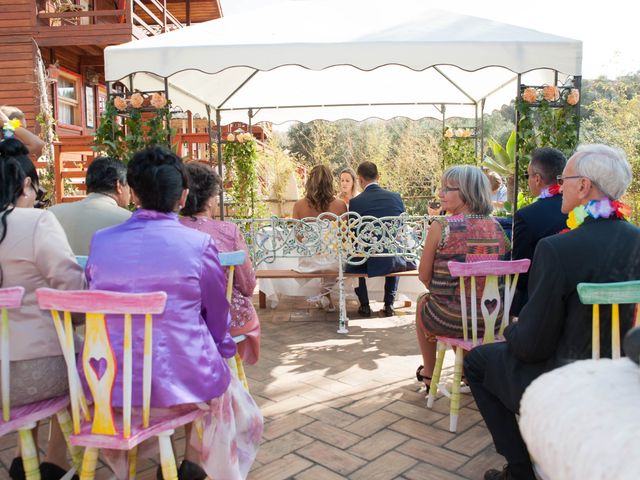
x=166 y=95
x=516 y=160
x=208 y=107
x=577 y=82
x=253 y=193
x=475 y=137
x=219 y=131
x=482 y=128
x=444 y=126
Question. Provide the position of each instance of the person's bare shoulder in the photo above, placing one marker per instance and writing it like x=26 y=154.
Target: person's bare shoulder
x=338 y=206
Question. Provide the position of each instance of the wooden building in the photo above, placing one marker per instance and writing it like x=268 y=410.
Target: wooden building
x=71 y=36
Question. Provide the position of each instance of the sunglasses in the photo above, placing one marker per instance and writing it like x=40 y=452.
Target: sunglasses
x=560 y=179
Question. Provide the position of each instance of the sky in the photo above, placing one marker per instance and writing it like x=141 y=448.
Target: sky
x=609 y=30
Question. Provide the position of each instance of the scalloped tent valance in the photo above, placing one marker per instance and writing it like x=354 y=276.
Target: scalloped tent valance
x=333 y=59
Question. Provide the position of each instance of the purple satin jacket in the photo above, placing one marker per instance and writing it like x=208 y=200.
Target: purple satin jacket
x=152 y=251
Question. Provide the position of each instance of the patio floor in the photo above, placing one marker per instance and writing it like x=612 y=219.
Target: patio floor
x=346 y=406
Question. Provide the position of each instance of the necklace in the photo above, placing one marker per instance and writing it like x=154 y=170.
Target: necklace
x=603 y=208
x=550 y=191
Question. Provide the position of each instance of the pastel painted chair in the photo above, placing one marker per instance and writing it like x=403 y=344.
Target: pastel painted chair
x=24 y=418
x=614 y=294
x=490 y=303
x=109 y=427
x=231 y=260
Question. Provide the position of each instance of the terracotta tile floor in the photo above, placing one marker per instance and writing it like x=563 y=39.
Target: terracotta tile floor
x=345 y=406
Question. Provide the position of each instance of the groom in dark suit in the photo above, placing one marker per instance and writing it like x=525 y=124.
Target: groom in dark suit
x=377 y=202
x=554 y=327
x=540 y=219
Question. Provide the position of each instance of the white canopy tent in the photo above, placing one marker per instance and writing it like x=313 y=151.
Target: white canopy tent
x=334 y=59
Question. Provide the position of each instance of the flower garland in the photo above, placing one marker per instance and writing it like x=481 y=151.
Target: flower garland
x=9 y=128
x=550 y=191
x=603 y=208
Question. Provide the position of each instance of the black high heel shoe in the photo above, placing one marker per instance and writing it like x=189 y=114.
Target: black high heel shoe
x=421 y=378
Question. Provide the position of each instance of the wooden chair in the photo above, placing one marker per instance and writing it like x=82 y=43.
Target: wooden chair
x=118 y=429
x=24 y=418
x=490 y=303
x=232 y=260
x=613 y=294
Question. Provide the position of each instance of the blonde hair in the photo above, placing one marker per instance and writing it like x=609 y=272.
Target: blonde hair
x=319 y=189
x=352 y=173
x=473 y=185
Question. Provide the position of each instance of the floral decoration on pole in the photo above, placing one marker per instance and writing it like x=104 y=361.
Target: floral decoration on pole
x=239 y=155
x=130 y=124
x=457 y=146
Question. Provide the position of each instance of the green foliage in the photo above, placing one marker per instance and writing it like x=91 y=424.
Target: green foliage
x=504 y=158
x=122 y=139
x=240 y=156
x=458 y=147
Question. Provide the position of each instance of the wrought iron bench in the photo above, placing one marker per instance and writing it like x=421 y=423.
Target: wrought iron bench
x=352 y=239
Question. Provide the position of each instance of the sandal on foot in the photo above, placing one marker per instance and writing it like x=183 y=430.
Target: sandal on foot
x=423 y=378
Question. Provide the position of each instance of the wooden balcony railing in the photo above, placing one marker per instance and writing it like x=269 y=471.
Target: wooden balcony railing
x=142 y=17
x=72 y=156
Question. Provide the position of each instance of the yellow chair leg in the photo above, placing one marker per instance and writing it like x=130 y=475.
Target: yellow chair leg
x=167 y=460
x=437 y=372
x=29 y=453
x=89 y=463
x=455 y=390
x=133 y=460
x=240 y=369
x=66 y=425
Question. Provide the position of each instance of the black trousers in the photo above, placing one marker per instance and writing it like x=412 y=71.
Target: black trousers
x=500 y=418
x=390 y=289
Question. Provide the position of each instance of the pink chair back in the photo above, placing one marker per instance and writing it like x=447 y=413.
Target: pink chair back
x=98 y=359
x=490 y=299
x=9 y=298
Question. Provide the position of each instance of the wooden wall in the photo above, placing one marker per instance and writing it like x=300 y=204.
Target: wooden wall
x=17 y=53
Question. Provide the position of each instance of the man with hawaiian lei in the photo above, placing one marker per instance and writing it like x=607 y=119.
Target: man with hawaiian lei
x=540 y=219
x=552 y=329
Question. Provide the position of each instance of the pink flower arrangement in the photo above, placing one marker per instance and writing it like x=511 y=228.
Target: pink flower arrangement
x=530 y=95
x=448 y=133
x=231 y=137
x=158 y=100
x=551 y=93
x=120 y=103
x=574 y=97
x=136 y=100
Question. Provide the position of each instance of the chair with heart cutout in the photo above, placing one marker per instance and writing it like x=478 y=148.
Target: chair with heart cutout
x=490 y=304
x=113 y=427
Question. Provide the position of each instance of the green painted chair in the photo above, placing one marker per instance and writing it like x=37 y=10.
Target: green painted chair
x=614 y=294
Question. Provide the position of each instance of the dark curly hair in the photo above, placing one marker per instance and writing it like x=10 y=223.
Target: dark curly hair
x=204 y=183
x=158 y=177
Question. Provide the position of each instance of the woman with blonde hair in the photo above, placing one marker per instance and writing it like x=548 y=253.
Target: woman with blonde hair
x=320 y=198
x=348 y=185
x=467 y=234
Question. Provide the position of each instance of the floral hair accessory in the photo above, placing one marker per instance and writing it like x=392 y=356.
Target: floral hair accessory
x=10 y=127
x=603 y=208
x=550 y=191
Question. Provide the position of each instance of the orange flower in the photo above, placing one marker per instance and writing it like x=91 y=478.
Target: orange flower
x=466 y=133
x=530 y=95
x=120 y=103
x=574 y=96
x=158 y=100
x=231 y=138
x=551 y=93
x=459 y=132
x=136 y=100
x=448 y=133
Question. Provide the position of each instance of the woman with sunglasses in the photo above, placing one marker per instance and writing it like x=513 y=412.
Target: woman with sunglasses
x=467 y=233
x=34 y=253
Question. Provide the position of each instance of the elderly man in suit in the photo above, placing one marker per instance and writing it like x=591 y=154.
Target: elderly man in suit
x=552 y=328
x=108 y=194
x=377 y=202
x=540 y=219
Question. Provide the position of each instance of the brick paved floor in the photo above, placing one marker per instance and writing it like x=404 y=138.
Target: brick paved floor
x=345 y=406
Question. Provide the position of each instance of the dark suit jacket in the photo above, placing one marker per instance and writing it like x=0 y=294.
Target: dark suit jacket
x=378 y=202
x=554 y=328
x=536 y=221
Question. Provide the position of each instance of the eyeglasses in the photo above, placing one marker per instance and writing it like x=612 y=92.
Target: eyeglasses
x=448 y=189
x=561 y=178
x=527 y=175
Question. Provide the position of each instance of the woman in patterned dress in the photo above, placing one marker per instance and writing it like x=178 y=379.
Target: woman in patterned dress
x=466 y=234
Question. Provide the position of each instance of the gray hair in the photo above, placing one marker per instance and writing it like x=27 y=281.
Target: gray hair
x=605 y=166
x=474 y=186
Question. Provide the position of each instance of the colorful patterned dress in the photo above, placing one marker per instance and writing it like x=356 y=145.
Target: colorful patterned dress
x=465 y=238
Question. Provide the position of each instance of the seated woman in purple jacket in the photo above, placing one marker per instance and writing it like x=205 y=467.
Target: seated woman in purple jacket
x=191 y=341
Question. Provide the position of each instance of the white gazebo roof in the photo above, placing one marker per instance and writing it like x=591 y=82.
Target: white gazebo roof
x=334 y=59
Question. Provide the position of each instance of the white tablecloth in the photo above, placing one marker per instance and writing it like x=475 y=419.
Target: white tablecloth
x=582 y=421
x=408 y=289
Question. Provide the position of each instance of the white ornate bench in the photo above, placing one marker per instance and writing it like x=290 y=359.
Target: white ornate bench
x=351 y=238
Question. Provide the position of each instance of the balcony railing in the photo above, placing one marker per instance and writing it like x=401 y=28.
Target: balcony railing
x=145 y=17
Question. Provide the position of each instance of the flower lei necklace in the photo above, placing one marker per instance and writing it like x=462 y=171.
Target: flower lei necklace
x=603 y=208
x=550 y=191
